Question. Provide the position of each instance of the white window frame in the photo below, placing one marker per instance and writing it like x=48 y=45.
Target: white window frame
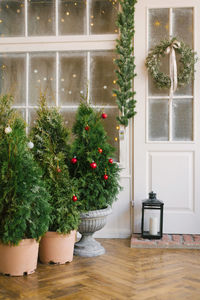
x=58 y=43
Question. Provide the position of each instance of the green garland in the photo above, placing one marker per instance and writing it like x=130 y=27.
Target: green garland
x=125 y=62
x=186 y=63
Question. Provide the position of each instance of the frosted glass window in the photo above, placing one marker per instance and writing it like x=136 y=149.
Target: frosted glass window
x=72 y=17
x=22 y=112
x=183 y=24
x=69 y=116
x=72 y=77
x=12 y=20
x=182 y=119
x=42 y=77
x=153 y=89
x=111 y=125
x=41 y=17
x=103 y=16
x=158 y=25
x=13 y=76
x=32 y=115
x=158 y=120
x=103 y=78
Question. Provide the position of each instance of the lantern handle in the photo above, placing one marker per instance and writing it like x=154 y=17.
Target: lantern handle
x=152 y=195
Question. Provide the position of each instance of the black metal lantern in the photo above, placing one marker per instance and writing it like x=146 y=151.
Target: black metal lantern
x=152 y=217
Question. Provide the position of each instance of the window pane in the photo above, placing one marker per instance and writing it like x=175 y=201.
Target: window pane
x=72 y=77
x=153 y=89
x=182 y=119
x=158 y=25
x=103 y=78
x=103 y=16
x=41 y=17
x=183 y=24
x=12 y=18
x=72 y=17
x=158 y=120
x=13 y=76
x=110 y=125
x=32 y=115
x=22 y=112
x=186 y=90
x=42 y=77
x=69 y=116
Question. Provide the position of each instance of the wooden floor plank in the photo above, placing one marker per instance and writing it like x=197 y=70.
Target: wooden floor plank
x=122 y=273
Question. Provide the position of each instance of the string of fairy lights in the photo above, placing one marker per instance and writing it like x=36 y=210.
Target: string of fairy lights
x=97 y=12
x=18 y=8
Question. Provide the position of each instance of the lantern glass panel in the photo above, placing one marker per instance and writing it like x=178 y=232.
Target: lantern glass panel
x=152 y=221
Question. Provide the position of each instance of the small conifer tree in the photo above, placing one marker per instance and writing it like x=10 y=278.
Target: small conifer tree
x=24 y=208
x=91 y=160
x=51 y=150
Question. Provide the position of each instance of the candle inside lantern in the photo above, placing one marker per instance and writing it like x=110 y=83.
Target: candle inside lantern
x=153 y=225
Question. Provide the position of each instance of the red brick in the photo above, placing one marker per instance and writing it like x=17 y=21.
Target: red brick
x=196 y=237
x=188 y=239
x=166 y=238
x=176 y=238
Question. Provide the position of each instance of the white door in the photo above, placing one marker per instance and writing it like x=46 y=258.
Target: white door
x=167 y=132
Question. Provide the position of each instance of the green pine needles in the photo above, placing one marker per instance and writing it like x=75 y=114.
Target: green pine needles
x=91 y=161
x=125 y=62
x=24 y=208
x=51 y=150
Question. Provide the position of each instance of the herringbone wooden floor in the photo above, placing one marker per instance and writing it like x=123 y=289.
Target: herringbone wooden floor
x=122 y=273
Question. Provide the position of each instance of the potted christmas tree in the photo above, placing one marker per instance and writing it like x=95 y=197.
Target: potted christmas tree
x=24 y=208
x=50 y=138
x=98 y=175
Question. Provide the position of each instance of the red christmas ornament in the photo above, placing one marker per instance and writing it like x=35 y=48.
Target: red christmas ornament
x=93 y=165
x=58 y=170
x=110 y=161
x=104 y=115
x=105 y=176
x=74 y=198
x=100 y=150
x=87 y=128
x=74 y=160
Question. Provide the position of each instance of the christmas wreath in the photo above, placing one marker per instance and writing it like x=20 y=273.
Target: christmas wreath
x=178 y=76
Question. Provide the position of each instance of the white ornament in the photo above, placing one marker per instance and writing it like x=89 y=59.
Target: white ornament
x=30 y=145
x=8 y=130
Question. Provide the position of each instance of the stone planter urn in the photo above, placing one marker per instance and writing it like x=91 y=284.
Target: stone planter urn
x=91 y=222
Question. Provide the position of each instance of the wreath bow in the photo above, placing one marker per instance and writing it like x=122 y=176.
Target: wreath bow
x=173 y=65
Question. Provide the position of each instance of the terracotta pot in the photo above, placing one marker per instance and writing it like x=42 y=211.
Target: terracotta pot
x=57 y=248
x=19 y=260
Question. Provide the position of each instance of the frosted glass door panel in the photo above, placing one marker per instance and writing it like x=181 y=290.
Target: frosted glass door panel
x=183 y=24
x=103 y=78
x=103 y=16
x=41 y=17
x=153 y=89
x=73 y=77
x=72 y=17
x=13 y=76
x=42 y=77
x=186 y=90
x=12 y=20
x=158 y=120
x=158 y=25
x=182 y=119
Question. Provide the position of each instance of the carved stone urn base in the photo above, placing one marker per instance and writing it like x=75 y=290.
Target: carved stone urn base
x=91 y=222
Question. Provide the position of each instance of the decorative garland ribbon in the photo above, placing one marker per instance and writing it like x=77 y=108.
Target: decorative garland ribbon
x=173 y=65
